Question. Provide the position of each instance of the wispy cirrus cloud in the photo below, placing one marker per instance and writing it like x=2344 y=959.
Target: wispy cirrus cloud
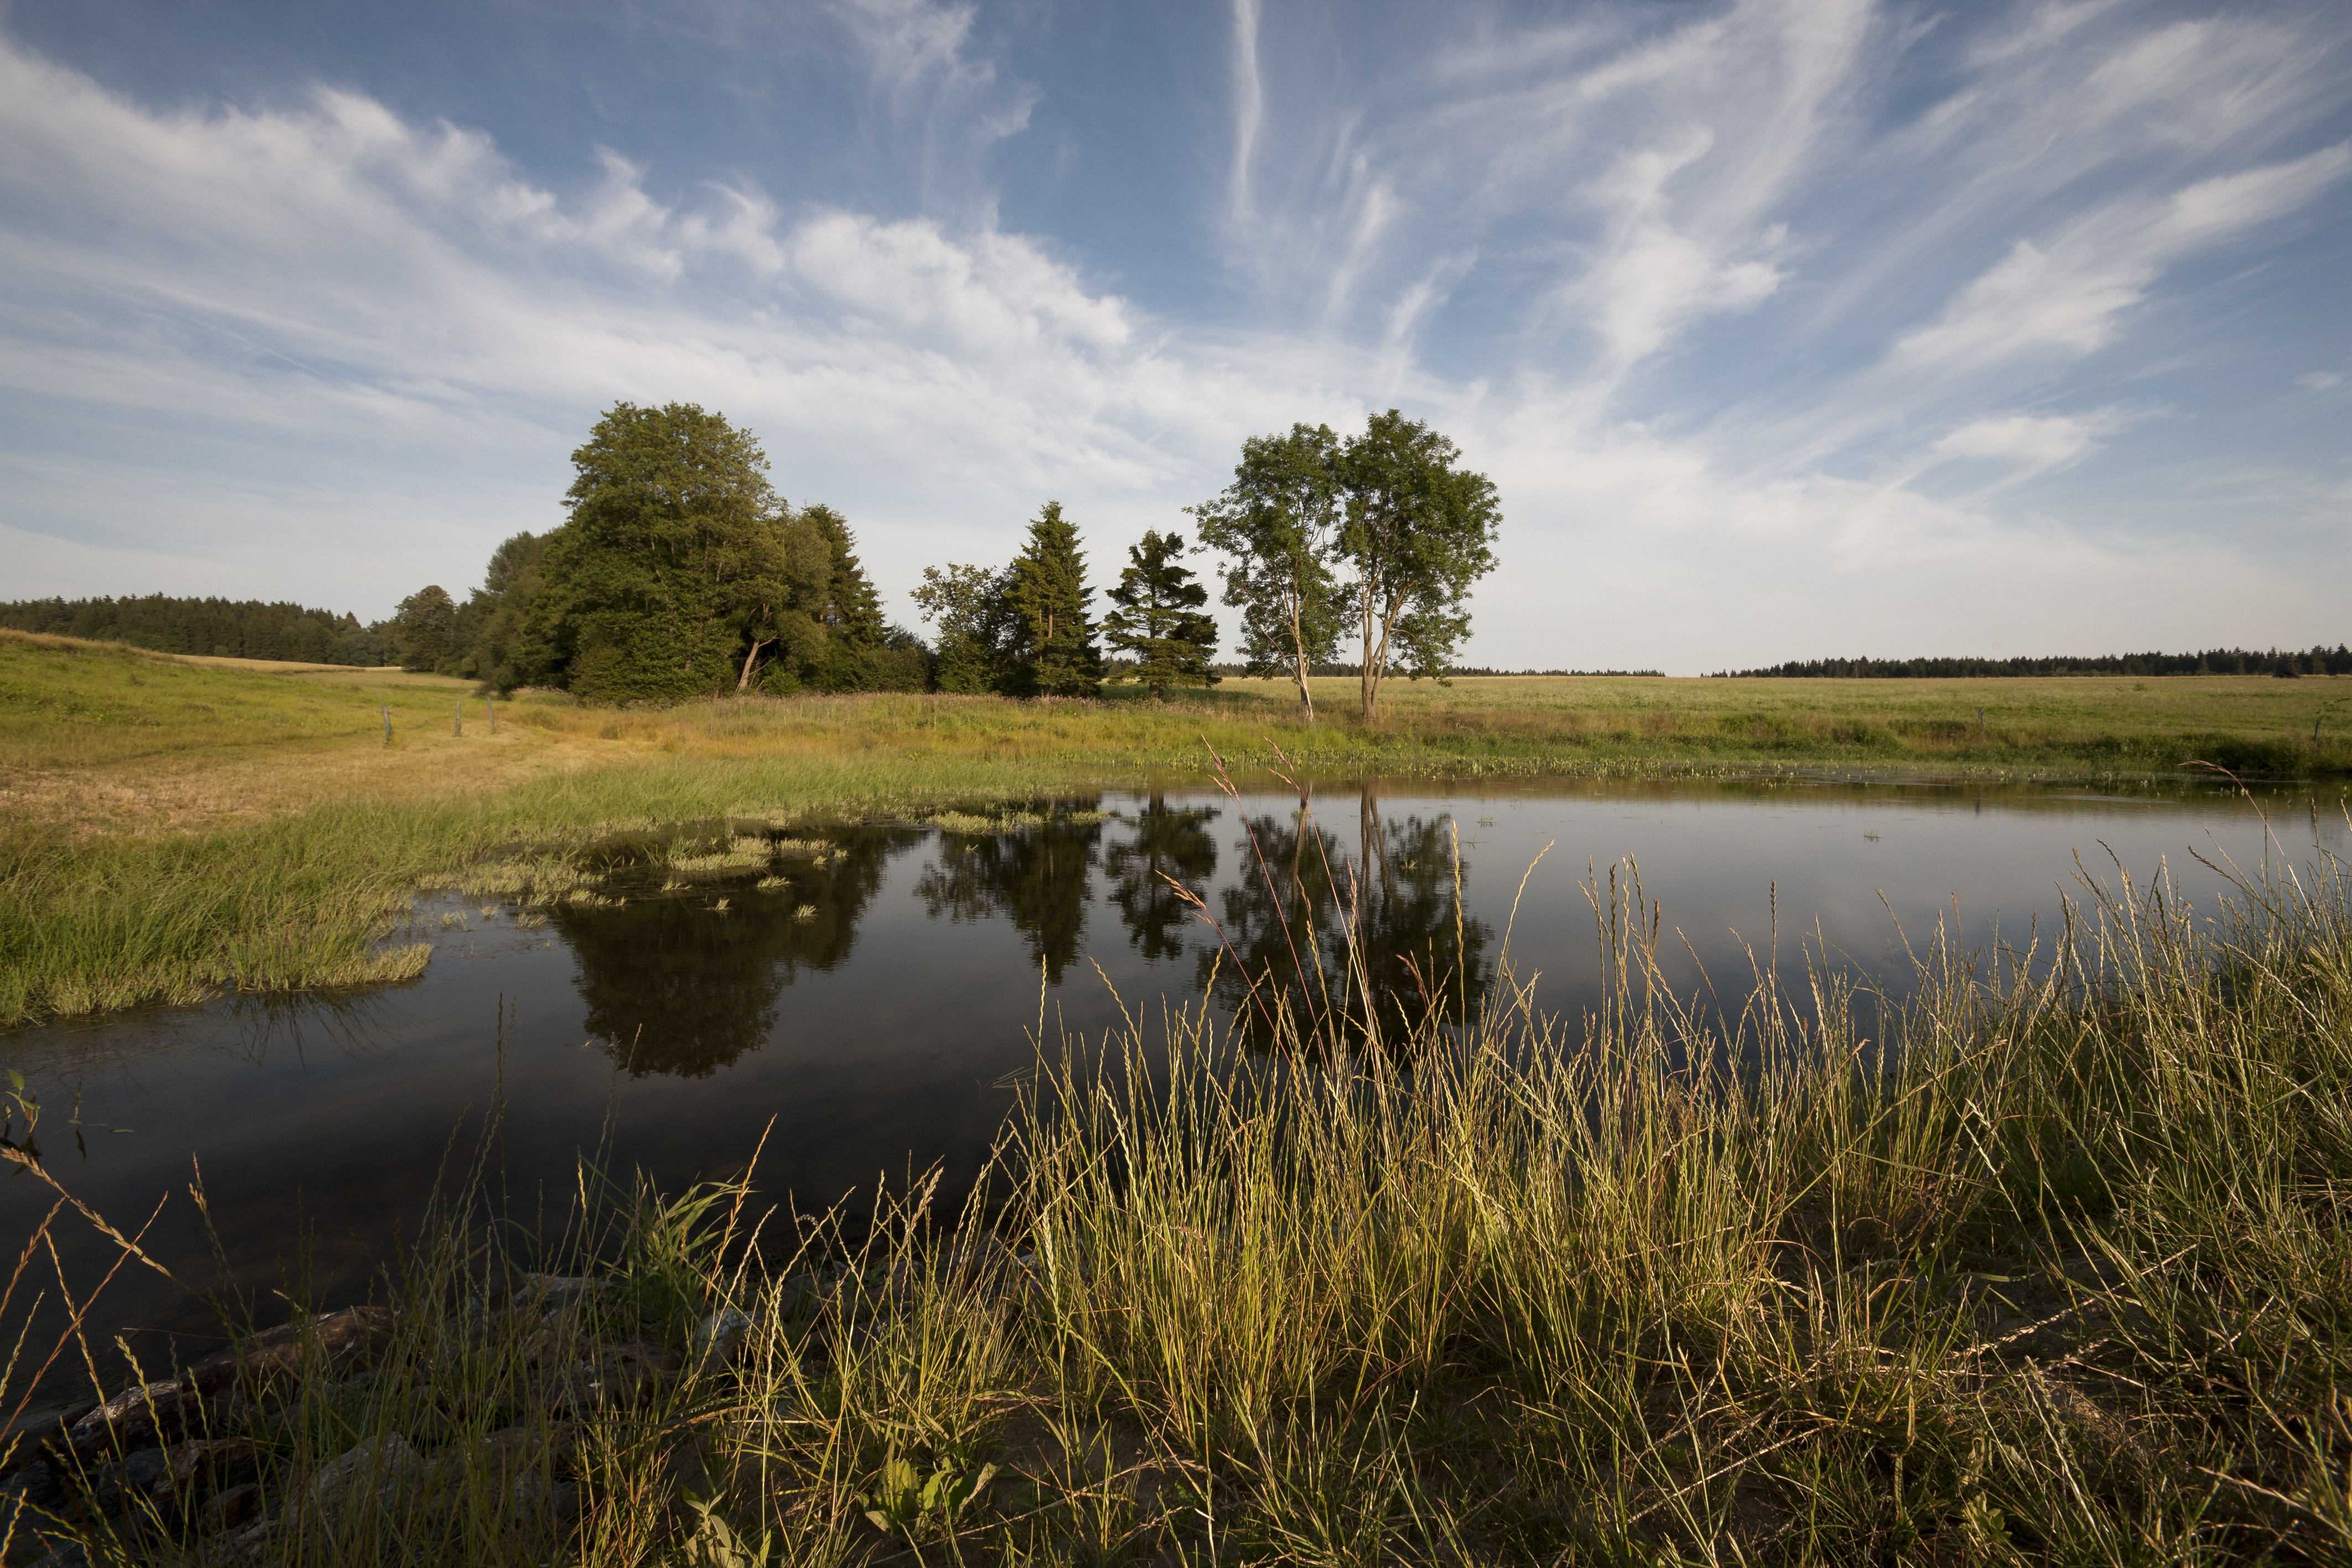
x=1775 y=320
x=2068 y=293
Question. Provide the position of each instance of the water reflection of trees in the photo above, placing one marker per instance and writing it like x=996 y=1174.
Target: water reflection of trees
x=1170 y=843
x=1039 y=877
x=675 y=986
x=1288 y=918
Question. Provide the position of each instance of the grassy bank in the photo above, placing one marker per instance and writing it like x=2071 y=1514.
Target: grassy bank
x=170 y=828
x=2054 y=1269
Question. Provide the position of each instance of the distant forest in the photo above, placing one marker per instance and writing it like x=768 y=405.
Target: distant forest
x=2320 y=660
x=1334 y=668
x=222 y=628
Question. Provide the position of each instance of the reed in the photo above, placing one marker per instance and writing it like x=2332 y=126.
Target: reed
x=2045 y=1262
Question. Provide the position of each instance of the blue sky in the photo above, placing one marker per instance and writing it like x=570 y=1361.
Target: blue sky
x=1785 y=330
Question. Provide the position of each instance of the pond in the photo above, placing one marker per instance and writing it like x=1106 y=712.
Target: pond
x=861 y=996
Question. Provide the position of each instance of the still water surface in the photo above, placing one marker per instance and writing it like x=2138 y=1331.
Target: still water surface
x=868 y=1014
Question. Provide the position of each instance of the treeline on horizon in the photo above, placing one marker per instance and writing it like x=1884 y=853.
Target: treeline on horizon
x=1342 y=667
x=217 y=628
x=2320 y=660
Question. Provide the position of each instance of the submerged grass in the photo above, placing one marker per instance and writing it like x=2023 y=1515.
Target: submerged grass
x=2048 y=1263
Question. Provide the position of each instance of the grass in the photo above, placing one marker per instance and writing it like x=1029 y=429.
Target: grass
x=2047 y=1264
x=172 y=828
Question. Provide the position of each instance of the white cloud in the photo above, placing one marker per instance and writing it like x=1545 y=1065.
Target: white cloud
x=2320 y=381
x=2068 y=293
x=402 y=334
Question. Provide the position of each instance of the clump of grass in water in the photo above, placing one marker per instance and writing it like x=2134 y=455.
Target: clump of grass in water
x=2047 y=1268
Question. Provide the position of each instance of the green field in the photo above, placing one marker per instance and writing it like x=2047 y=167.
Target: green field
x=171 y=827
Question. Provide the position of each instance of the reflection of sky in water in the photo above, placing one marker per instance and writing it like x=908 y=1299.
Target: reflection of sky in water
x=872 y=1009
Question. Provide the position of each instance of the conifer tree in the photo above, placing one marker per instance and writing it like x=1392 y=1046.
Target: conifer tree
x=853 y=609
x=1158 y=621
x=1053 y=650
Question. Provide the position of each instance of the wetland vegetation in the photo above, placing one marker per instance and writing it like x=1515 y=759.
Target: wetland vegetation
x=2046 y=1264
x=2043 y=1262
x=172 y=827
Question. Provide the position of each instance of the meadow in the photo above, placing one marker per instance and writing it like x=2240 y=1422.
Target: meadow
x=171 y=828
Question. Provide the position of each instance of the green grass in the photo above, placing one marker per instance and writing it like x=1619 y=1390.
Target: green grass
x=2048 y=1264
x=174 y=829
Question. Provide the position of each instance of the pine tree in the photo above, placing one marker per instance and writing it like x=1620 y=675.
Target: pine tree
x=1158 y=621
x=1054 y=644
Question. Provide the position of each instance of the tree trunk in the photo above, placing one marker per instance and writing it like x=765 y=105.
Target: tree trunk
x=743 y=680
x=1299 y=656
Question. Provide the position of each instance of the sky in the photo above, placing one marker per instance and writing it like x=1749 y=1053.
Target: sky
x=1785 y=330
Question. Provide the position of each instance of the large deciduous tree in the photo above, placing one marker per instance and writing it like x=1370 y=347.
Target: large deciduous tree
x=1278 y=522
x=1420 y=533
x=1158 y=620
x=1053 y=647
x=675 y=568
x=967 y=603
x=425 y=628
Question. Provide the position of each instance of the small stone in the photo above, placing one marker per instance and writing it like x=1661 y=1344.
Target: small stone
x=552 y=1293
x=329 y=1346
x=28 y=1486
x=173 y=1480
x=720 y=1336
x=232 y=1509
x=383 y=1470
x=135 y=1419
x=538 y=1499
x=23 y=1438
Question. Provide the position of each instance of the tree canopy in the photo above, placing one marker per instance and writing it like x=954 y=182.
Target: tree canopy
x=1418 y=533
x=1158 y=620
x=425 y=628
x=1391 y=505
x=681 y=572
x=969 y=606
x=1277 y=523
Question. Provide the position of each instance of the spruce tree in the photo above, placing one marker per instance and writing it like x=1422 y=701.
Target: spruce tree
x=1054 y=644
x=853 y=609
x=1160 y=621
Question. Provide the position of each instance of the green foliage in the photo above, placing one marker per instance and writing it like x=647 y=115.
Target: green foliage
x=975 y=617
x=1158 y=621
x=494 y=625
x=683 y=573
x=1052 y=650
x=1418 y=532
x=675 y=568
x=222 y=628
x=1278 y=522
x=857 y=651
x=424 y=629
x=908 y=1504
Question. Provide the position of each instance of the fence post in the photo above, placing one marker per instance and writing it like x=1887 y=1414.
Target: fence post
x=387 y=723
x=492 y=708
x=457 y=717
